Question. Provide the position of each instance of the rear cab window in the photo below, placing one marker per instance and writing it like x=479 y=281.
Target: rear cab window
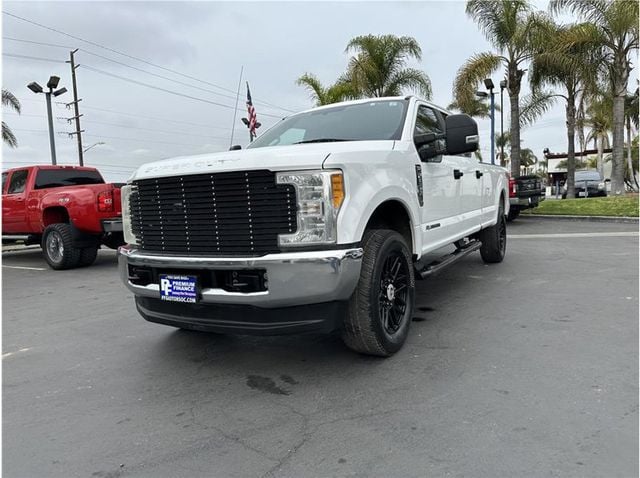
x=57 y=178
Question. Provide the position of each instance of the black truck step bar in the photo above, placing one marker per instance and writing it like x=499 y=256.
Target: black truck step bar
x=436 y=266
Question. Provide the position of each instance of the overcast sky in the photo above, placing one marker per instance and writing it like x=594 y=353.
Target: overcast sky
x=275 y=43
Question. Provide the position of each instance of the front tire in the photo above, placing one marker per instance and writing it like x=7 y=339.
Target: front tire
x=494 y=239
x=381 y=308
x=58 y=249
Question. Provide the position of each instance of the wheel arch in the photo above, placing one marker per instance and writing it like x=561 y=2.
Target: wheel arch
x=392 y=214
x=55 y=214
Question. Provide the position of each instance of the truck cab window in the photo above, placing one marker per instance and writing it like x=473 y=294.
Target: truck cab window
x=427 y=121
x=18 y=181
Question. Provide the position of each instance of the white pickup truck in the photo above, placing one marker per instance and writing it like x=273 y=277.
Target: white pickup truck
x=323 y=223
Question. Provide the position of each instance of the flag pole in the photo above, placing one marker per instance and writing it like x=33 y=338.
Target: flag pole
x=235 y=110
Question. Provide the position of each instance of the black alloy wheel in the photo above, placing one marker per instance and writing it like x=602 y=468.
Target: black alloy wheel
x=393 y=294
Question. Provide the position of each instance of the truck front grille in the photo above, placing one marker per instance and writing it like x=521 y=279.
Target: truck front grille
x=235 y=213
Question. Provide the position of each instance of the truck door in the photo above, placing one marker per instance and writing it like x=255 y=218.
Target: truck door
x=14 y=209
x=440 y=188
x=471 y=181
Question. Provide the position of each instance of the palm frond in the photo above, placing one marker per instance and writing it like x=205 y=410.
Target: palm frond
x=8 y=99
x=475 y=70
x=593 y=11
x=409 y=78
x=8 y=137
x=535 y=105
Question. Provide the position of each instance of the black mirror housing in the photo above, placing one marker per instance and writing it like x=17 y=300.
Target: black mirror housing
x=462 y=134
x=235 y=147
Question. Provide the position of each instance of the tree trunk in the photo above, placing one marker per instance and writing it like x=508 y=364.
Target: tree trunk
x=514 y=80
x=619 y=79
x=632 y=176
x=580 y=123
x=600 y=148
x=571 y=147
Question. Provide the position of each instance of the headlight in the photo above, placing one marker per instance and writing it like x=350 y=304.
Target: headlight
x=127 y=229
x=601 y=186
x=320 y=195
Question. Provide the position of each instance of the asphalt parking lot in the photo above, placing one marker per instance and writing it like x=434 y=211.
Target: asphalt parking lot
x=526 y=368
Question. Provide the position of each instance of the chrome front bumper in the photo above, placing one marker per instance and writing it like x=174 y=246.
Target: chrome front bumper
x=295 y=278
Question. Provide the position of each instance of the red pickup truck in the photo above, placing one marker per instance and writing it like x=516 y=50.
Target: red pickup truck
x=69 y=210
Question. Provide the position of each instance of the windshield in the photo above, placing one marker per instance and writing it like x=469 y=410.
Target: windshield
x=55 y=178
x=374 y=120
x=587 y=176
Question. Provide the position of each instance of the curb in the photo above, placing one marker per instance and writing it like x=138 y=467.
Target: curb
x=621 y=219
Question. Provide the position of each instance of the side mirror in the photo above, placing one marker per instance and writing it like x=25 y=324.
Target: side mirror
x=235 y=147
x=462 y=134
x=607 y=180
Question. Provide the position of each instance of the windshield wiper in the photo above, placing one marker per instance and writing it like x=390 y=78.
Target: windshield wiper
x=322 y=140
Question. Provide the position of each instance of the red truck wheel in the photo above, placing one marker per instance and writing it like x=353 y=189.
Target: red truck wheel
x=58 y=249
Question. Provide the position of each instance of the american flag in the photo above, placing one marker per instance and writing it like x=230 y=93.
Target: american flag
x=251 y=113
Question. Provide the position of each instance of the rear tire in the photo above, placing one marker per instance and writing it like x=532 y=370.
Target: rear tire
x=494 y=239
x=381 y=308
x=88 y=256
x=58 y=249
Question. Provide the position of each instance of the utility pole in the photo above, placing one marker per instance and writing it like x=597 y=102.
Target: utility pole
x=78 y=132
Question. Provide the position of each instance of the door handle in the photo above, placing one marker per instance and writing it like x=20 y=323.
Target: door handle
x=457 y=174
x=479 y=174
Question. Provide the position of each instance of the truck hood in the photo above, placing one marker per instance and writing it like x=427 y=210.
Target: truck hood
x=274 y=158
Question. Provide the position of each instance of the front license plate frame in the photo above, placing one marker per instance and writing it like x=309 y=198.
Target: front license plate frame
x=179 y=288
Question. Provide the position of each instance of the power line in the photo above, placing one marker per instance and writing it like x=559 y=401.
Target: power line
x=37 y=43
x=155 y=130
x=123 y=113
x=141 y=83
x=150 y=117
x=129 y=56
x=14 y=55
x=138 y=140
x=172 y=79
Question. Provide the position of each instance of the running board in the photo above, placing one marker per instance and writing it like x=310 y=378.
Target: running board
x=437 y=265
x=15 y=237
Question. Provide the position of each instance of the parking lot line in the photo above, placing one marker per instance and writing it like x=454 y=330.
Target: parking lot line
x=9 y=354
x=574 y=234
x=26 y=268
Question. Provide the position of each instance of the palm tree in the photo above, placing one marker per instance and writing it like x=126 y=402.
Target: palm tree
x=378 y=66
x=631 y=116
x=512 y=29
x=12 y=102
x=502 y=142
x=570 y=68
x=611 y=29
x=527 y=158
x=476 y=108
x=598 y=119
x=339 y=91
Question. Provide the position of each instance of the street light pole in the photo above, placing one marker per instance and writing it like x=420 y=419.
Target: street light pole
x=489 y=84
x=503 y=85
x=52 y=141
x=52 y=84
